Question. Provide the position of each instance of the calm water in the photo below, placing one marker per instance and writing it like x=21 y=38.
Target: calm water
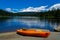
x=15 y=23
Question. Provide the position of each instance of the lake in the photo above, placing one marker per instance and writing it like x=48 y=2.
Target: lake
x=14 y=23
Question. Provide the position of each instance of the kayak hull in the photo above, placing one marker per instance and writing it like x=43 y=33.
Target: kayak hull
x=33 y=33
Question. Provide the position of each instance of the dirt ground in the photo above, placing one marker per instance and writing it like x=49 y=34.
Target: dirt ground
x=14 y=36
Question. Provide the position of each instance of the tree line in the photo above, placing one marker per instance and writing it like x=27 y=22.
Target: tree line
x=47 y=14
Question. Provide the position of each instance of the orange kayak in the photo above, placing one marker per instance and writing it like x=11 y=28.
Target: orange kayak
x=33 y=32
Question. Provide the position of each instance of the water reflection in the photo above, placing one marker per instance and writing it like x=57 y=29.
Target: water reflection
x=15 y=23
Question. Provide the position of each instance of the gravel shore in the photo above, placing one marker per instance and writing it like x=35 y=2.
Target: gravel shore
x=14 y=36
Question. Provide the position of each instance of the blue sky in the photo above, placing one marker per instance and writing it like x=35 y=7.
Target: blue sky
x=20 y=4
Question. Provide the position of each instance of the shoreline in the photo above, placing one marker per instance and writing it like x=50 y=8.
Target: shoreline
x=14 y=36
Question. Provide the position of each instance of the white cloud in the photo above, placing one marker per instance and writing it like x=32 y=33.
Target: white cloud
x=12 y=10
x=41 y=8
x=55 y=6
x=32 y=9
x=8 y=9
